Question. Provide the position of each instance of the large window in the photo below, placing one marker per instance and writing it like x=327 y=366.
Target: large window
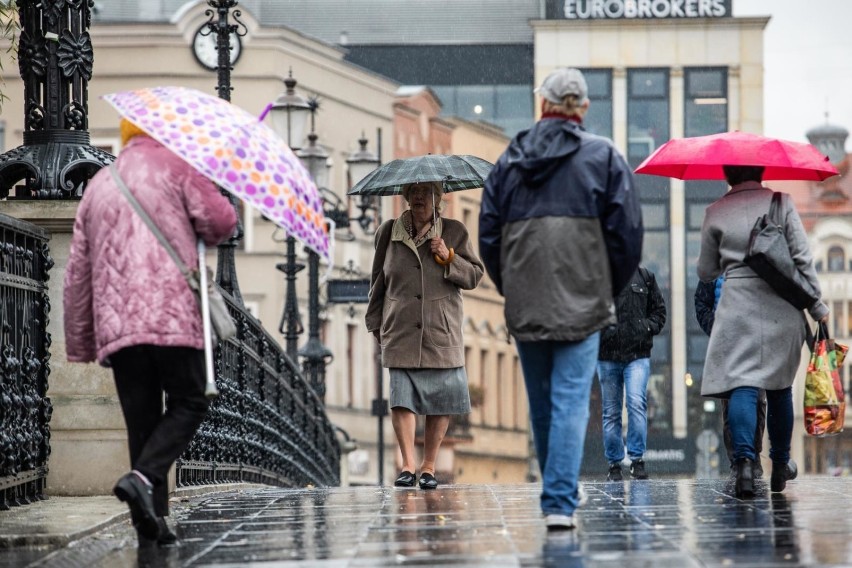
x=599 y=118
x=836 y=259
x=508 y=106
x=706 y=104
x=705 y=112
x=648 y=128
x=647 y=125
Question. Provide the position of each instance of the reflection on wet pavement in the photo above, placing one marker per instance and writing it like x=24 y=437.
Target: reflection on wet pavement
x=659 y=523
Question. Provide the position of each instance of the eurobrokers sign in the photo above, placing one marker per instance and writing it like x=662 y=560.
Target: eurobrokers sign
x=637 y=9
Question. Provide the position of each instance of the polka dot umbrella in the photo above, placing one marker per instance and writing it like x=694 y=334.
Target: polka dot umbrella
x=236 y=151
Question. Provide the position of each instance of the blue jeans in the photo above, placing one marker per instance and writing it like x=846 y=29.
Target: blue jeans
x=558 y=376
x=742 y=417
x=615 y=378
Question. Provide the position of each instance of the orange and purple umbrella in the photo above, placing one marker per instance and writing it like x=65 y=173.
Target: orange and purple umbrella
x=702 y=157
x=234 y=150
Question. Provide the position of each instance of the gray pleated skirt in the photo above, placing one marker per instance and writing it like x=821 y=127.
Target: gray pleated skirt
x=430 y=391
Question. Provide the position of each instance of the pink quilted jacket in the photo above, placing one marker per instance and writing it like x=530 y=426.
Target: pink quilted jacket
x=121 y=286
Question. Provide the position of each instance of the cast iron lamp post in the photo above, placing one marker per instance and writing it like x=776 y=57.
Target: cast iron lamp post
x=289 y=116
x=316 y=355
x=218 y=24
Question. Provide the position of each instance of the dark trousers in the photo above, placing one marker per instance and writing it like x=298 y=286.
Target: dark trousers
x=758 y=431
x=157 y=438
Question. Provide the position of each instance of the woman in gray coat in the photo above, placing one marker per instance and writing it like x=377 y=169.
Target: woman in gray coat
x=422 y=264
x=757 y=337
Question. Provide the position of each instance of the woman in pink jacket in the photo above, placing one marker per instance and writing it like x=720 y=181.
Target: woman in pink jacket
x=128 y=307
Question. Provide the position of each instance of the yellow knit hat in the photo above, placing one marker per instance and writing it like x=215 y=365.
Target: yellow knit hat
x=129 y=130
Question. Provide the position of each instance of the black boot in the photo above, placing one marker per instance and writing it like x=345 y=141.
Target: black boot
x=744 y=488
x=781 y=474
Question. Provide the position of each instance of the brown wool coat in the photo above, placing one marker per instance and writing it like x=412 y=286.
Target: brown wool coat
x=416 y=302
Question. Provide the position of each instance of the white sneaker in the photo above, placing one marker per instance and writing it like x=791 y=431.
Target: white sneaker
x=559 y=522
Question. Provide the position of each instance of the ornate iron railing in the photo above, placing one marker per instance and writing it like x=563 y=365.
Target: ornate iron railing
x=25 y=409
x=267 y=425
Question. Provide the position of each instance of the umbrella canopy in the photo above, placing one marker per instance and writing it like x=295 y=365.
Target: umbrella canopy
x=455 y=172
x=702 y=157
x=234 y=150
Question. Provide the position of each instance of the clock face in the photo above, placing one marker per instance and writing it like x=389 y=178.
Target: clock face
x=205 y=51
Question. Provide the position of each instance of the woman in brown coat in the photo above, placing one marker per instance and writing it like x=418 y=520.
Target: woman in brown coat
x=422 y=264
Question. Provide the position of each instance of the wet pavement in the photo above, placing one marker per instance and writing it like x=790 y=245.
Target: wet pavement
x=659 y=523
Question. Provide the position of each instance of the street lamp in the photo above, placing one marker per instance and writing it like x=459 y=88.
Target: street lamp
x=289 y=114
x=361 y=164
x=289 y=118
x=315 y=159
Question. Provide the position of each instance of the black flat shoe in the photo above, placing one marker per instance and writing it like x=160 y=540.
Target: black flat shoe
x=781 y=474
x=405 y=479
x=428 y=481
x=139 y=497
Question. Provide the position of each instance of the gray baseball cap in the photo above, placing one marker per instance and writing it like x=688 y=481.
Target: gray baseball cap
x=562 y=82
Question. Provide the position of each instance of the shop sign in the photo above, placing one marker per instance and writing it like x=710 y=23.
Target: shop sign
x=638 y=9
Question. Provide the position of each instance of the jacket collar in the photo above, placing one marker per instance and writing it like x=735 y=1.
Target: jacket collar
x=747 y=185
x=398 y=232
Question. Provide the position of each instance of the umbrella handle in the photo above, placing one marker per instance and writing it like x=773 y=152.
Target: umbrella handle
x=210 y=390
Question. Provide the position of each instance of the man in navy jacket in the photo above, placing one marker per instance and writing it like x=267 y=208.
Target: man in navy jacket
x=560 y=233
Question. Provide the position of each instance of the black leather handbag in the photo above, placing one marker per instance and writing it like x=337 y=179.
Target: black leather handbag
x=769 y=256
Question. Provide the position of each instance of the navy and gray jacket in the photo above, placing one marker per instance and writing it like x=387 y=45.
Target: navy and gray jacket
x=560 y=231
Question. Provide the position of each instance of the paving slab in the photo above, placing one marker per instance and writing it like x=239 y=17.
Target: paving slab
x=656 y=523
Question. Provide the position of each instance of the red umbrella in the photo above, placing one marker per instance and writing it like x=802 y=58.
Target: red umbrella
x=702 y=157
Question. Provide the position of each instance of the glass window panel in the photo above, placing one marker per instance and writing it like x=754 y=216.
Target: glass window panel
x=698 y=347
x=693 y=248
x=599 y=82
x=514 y=102
x=706 y=105
x=706 y=119
x=706 y=83
x=650 y=83
x=448 y=99
x=599 y=118
x=647 y=128
x=655 y=216
x=655 y=256
x=475 y=102
x=836 y=259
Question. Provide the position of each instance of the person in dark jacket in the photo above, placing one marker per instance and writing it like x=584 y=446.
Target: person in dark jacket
x=707 y=296
x=560 y=232
x=624 y=364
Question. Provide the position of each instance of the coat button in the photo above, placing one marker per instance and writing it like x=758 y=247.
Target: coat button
x=419 y=326
x=417 y=266
x=419 y=297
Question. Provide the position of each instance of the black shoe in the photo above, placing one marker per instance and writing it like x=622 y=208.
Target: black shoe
x=744 y=487
x=614 y=473
x=781 y=474
x=167 y=537
x=428 y=481
x=405 y=479
x=139 y=497
x=637 y=469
